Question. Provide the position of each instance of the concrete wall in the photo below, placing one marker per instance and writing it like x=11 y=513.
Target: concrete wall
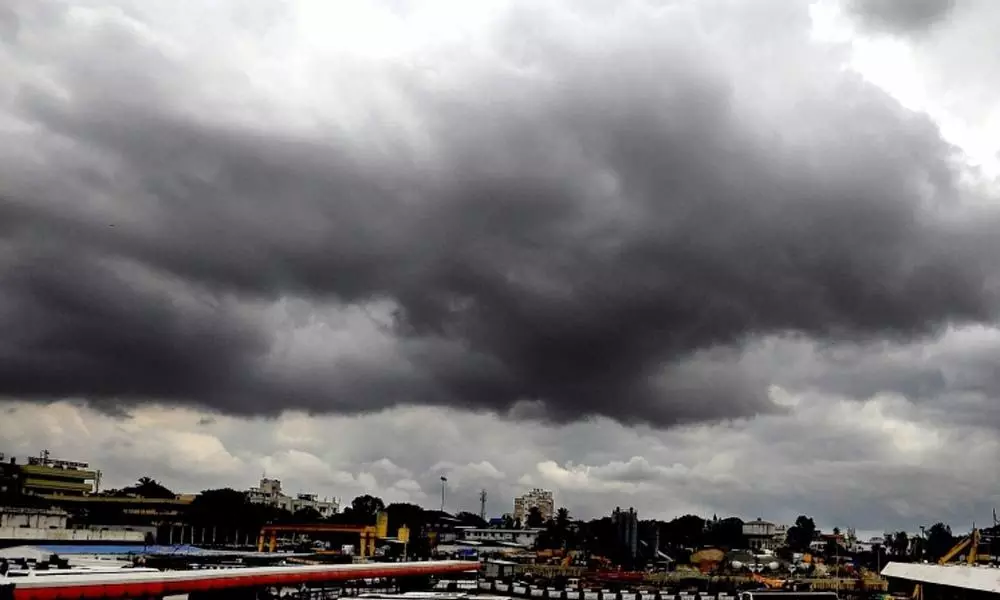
x=35 y=534
x=32 y=517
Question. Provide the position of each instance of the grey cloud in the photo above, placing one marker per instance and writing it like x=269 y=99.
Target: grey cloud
x=955 y=376
x=581 y=225
x=870 y=465
x=907 y=16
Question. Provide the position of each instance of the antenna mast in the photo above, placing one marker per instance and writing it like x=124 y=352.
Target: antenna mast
x=482 y=504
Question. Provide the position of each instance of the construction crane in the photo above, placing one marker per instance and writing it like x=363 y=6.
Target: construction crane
x=268 y=538
x=970 y=542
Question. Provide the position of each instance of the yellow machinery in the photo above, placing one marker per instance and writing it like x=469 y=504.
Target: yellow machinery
x=771 y=582
x=367 y=533
x=971 y=542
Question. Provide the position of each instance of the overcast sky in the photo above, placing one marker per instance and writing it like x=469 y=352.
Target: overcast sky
x=688 y=256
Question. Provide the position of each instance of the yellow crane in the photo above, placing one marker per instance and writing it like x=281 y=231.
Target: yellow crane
x=970 y=542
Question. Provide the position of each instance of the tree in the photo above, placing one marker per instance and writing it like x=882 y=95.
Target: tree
x=226 y=514
x=508 y=521
x=562 y=517
x=307 y=514
x=557 y=532
x=801 y=534
x=147 y=487
x=471 y=519
x=687 y=531
x=836 y=531
x=535 y=517
x=939 y=541
x=364 y=508
x=404 y=513
x=727 y=533
x=899 y=543
x=413 y=517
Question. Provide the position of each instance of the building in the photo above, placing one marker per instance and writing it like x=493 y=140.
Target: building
x=33 y=518
x=269 y=493
x=20 y=525
x=942 y=582
x=764 y=535
x=520 y=537
x=50 y=478
x=10 y=480
x=536 y=498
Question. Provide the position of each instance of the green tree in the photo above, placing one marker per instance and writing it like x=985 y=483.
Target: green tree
x=226 y=515
x=413 y=517
x=307 y=514
x=687 y=531
x=470 y=519
x=404 y=513
x=363 y=509
x=562 y=518
x=900 y=543
x=801 y=534
x=534 y=517
x=939 y=541
x=727 y=533
x=147 y=487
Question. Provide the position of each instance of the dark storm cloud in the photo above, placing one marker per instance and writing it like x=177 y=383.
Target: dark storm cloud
x=574 y=227
x=77 y=325
x=901 y=16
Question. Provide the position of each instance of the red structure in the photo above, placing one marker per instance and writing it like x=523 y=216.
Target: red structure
x=168 y=583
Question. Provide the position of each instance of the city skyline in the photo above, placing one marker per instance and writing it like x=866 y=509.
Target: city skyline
x=279 y=497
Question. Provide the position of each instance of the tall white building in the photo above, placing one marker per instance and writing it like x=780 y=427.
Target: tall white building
x=269 y=493
x=536 y=498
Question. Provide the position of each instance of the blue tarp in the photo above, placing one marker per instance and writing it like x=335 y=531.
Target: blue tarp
x=68 y=549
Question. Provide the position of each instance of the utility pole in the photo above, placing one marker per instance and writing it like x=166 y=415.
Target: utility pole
x=482 y=504
x=444 y=484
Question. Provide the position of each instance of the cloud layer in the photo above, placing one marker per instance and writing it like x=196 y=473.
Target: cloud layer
x=875 y=464
x=551 y=210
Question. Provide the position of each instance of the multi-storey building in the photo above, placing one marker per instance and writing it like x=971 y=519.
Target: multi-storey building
x=536 y=498
x=48 y=477
x=269 y=493
x=764 y=535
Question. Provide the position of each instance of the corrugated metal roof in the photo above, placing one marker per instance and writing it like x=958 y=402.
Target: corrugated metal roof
x=985 y=579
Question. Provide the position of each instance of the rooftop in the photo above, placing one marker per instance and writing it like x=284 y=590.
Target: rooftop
x=984 y=579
